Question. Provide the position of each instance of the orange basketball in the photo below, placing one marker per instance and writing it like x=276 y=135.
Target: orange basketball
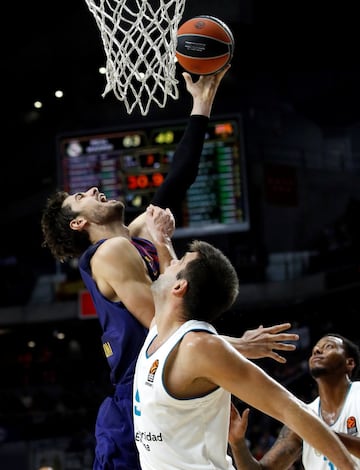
x=205 y=45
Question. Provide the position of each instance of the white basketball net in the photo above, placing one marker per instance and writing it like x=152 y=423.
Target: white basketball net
x=139 y=40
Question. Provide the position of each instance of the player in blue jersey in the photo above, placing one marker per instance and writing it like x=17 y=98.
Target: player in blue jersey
x=118 y=264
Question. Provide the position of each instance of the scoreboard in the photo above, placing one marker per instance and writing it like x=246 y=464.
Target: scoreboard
x=130 y=163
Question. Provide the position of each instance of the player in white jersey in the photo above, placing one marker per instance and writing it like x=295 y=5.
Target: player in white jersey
x=186 y=373
x=175 y=433
x=333 y=364
x=347 y=422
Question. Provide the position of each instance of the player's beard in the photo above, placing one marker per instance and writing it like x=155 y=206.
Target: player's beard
x=119 y=211
x=109 y=213
x=317 y=372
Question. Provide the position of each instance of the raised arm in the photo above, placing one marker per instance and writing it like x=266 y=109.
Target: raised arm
x=185 y=163
x=285 y=451
x=160 y=226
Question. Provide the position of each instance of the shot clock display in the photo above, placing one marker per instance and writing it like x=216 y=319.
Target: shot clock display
x=131 y=163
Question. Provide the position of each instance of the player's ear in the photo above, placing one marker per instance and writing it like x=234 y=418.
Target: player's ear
x=78 y=223
x=350 y=365
x=180 y=287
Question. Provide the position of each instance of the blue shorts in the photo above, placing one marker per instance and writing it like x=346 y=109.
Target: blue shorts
x=114 y=432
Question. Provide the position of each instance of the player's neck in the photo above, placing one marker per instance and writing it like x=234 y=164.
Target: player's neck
x=167 y=316
x=116 y=229
x=332 y=398
x=165 y=328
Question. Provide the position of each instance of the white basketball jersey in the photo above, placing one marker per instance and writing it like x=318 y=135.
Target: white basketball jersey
x=175 y=434
x=348 y=422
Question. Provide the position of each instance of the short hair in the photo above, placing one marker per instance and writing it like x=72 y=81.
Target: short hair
x=213 y=284
x=351 y=350
x=63 y=242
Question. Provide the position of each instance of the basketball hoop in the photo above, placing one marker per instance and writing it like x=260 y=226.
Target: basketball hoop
x=139 y=39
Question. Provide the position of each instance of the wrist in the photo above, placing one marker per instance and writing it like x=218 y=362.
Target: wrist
x=239 y=443
x=163 y=242
x=204 y=111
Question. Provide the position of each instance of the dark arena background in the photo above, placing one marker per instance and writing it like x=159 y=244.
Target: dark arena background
x=289 y=117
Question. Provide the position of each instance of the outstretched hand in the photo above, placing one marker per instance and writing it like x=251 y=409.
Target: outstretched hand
x=203 y=90
x=238 y=425
x=263 y=341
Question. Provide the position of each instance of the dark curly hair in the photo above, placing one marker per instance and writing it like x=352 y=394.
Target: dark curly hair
x=63 y=242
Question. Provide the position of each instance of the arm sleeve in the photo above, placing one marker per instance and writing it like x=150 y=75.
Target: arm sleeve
x=184 y=166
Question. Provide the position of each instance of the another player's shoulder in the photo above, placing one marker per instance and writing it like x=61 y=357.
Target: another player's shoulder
x=114 y=243
x=113 y=248
x=201 y=342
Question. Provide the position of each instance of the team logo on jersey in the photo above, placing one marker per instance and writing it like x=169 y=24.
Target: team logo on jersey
x=107 y=349
x=351 y=426
x=152 y=372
